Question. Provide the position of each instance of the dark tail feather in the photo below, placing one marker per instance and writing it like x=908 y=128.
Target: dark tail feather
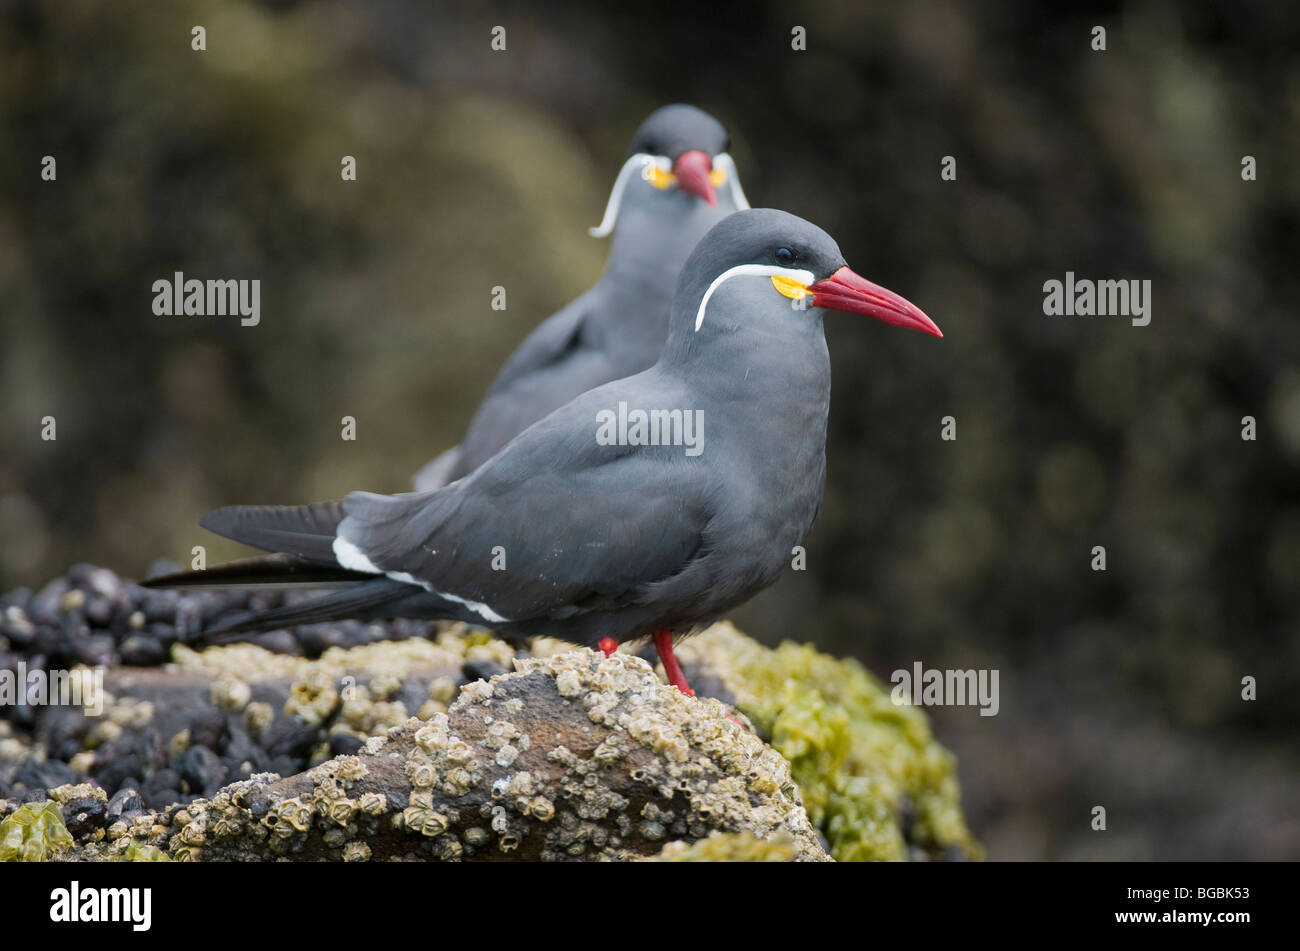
x=263 y=571
x=303 y=530
x=361 y=600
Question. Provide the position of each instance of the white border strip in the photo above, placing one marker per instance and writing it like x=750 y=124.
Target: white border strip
x=724 y=161
x=637 y=163
x=354 y=559
x=759 y=270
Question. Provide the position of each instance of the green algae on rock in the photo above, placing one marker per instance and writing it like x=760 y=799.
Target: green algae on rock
x=35 y=832
x=866 y=767
x=730 y=847
x=136 y=852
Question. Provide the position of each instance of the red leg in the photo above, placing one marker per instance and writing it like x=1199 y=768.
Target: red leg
x=664 y=645
x=608 y=645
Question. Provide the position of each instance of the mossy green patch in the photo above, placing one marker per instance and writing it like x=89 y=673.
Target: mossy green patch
x=34 y=832
x=136 y=852
x=730 y=847
x=860 y=760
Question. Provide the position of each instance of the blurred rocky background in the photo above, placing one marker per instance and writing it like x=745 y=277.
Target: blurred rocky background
x=1119 y=688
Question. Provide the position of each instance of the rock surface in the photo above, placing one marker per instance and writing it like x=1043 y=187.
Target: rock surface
x=574 y=756
x=459 y=747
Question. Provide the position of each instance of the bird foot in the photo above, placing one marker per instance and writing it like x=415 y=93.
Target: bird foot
x=608 y=645
x=664 y=646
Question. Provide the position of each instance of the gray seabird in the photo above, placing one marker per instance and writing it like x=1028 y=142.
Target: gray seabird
x=677 y=182
x=603 y=540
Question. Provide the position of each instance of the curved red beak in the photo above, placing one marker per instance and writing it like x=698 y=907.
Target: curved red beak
x=692 y=170
x=847 y=291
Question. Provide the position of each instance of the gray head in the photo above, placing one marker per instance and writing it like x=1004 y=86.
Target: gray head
x=675 y=130
x=774 y=273
x=679 y=152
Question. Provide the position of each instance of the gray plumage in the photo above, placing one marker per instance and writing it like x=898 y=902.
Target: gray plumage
x=617 y=541
x=616 y=328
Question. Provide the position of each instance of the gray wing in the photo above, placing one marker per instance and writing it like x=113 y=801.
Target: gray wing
x=554 y=526
x=540 y=376
x=557 y=363
x=438 y=471
x=549 y=341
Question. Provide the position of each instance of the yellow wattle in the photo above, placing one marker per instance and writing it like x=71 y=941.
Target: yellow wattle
x=789 y=287
x=659 y=178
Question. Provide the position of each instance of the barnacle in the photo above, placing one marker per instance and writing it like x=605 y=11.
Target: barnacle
x=459 y=753
x=350 y=769
x=442 y=690
x=421 y=773
x=373 y=803
x=385 y=685
x=433 y=737
x=257 y=717
x=423 y=820
x=230 y=693
x=288 y=817
x=342 y=811
x=314 y=699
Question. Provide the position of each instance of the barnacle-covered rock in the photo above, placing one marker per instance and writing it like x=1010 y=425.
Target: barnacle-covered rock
x=574 y=756
x=238 y=752
x=873 y=778
x=212 y=717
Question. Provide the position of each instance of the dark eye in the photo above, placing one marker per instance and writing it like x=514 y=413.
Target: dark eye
x=785 y=257
x=651 y=148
